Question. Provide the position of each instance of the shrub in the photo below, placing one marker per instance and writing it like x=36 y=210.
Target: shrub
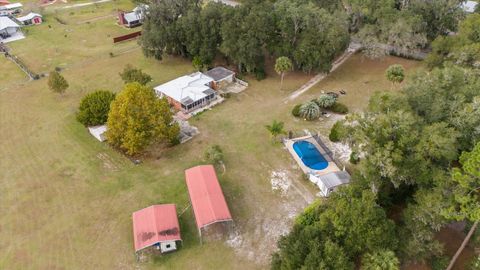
x=325 y=101
x=354 y=158
x=94 y=108
x=57 y=82
x=296 y=110
x=395 y=73
x=260 y=73
x=475 y=264
x=131 y=74
x=440 y=263
x=310 y=111
x=214 y=154
x=339 y=108
x=338 y=132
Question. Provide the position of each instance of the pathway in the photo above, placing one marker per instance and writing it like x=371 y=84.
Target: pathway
x=352 y=49
x=84 y=4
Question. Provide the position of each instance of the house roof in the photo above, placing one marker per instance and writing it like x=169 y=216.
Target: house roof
x=4 y=2
x=6 y=22
x=187 y=89
x=155 y=224
x=335 y=179
x=219 y=73
x=208 y=202
x=29 y=16
x=469 y=6
x=132 y=16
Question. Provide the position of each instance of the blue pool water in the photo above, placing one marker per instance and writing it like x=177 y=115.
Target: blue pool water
x=310 y=155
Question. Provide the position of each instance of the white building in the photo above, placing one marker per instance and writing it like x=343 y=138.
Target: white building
x=11 y=9
x=31 y=18
x=9 y=30
x=98 y=132
x=188 y=92
x=469 y=6
x=328 y=183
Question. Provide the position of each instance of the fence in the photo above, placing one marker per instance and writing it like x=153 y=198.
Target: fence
x=6 y=51
x=127 y=37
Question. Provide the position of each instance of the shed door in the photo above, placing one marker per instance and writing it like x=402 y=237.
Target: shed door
x=36 y=20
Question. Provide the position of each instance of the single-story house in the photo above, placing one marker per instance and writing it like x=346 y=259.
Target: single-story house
x=8 y=28
x=221 y=76
x=133 y=18
x=156 y=226
x=469 y=6
x=208 y=203
x=11 y=9
x=98 y=132
x=31 y=18
x=329 y=182
x=189 y=92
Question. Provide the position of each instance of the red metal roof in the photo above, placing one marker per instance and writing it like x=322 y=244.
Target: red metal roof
x=155 y=224
x=208 y=202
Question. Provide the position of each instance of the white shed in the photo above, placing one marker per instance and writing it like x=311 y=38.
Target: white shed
x=98 y=132
x=469 y=6
x=329 y=182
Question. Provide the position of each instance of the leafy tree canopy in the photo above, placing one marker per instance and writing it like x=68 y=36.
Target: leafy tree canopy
x=138 y=118
x=94 y=108
x=57 y=83
x=131 y=74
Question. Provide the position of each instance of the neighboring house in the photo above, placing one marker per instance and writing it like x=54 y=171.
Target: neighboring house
x=133 y=18
x=189 y=92
x=329 y=182
x=221 y=77
x=31 y=18
x=8 y=28
x=156 y=226
x=206 y=196
x=469 y=6
x=98 y=132
x=11 y=9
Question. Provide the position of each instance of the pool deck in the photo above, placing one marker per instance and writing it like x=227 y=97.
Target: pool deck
x=332 y=167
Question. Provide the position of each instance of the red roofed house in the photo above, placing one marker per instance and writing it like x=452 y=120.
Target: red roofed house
x=206 y=196
x=156 y=226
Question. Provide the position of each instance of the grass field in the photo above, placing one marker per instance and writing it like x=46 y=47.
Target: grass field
x=11 y=75
x=66 y=199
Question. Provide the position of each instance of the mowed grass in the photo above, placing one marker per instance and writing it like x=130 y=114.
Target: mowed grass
x=82 y=34
x=67 y=199
x=11 y=74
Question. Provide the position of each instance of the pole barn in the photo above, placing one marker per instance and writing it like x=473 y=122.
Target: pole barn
x=206 y=196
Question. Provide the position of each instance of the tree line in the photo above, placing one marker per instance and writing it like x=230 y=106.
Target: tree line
x=303 y=31
x=418 y=153
x=309 y=32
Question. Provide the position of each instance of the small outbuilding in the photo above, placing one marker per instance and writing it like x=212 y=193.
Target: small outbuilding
x=98 y=132
x=469 y=6
x=31 y=18
x=156 y=226
x=11 y=9
x=208 y=203
x=221 y=76
x=329 y=182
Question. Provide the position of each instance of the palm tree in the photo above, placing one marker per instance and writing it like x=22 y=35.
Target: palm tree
x=282 y=65
x=380 y=260
x=275 y=129
x=310 y=111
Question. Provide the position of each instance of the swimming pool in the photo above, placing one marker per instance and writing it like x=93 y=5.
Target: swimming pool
x=310 y=155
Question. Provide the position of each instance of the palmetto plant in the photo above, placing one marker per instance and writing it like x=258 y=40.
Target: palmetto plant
x=275 y=129
x=325 y=101
x=310 y=111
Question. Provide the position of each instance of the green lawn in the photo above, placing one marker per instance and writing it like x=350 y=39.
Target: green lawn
x=11 y=75
x=72 y=40
x=66 y=199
